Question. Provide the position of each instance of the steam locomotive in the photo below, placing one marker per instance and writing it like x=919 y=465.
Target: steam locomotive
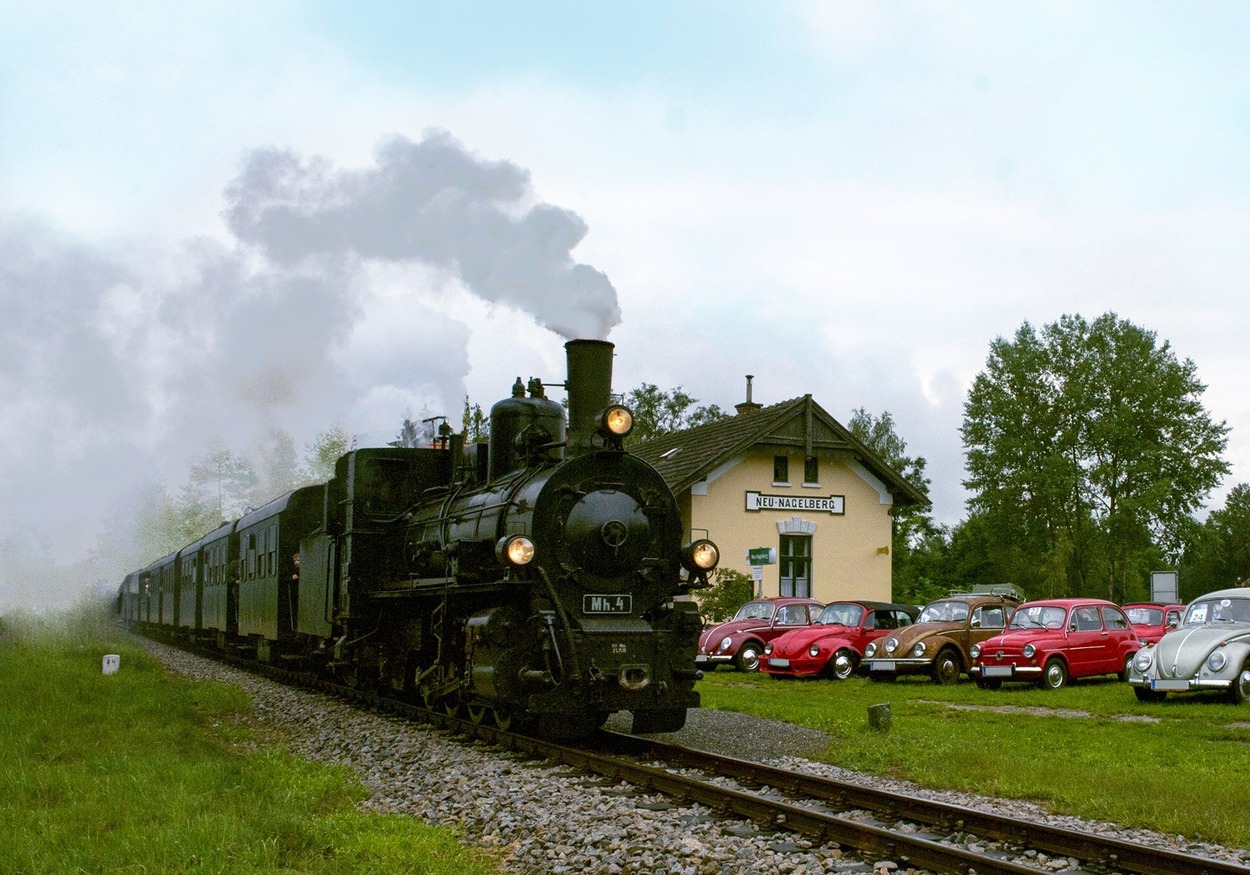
x=540 y=579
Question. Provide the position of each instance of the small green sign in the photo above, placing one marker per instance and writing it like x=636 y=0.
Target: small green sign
x=761 y=556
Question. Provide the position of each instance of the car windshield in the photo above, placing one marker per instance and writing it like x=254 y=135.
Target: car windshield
x=838 y=614
x=755 y=611
x=944 y=612
x=1218 y=611
x=1037 y=617
x=1145 y=616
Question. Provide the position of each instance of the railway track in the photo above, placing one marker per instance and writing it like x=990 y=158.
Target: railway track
x=880 y=824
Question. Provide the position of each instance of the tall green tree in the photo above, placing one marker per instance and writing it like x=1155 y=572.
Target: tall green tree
x=1088 y=450
x=918 y=542
x=658 y=412
x=476 y=424
x=324 y=451
x=1218 y=555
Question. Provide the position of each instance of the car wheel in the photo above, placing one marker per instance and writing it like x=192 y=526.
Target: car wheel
x=946 y=667
x=749 y=657
x=1128 y=663
x=1145 y=694
x=842 y=665
x=1240 y=690
x=1055 y=674
x=992 y=684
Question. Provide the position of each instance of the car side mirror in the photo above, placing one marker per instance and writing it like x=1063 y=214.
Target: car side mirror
x=1072 y=628
x=976 y=622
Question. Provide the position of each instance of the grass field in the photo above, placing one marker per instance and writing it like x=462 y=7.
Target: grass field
x=1090 y=749
x=141 y=772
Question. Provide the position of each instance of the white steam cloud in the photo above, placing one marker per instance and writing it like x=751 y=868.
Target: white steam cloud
x=118 y=367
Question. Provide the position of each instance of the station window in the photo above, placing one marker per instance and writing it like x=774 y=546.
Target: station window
x=795 y=565
x=781 y=469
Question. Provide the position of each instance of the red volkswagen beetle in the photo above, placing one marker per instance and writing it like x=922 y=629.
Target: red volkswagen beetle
x=1049 y=642
x=741 y=641
x=835 y=644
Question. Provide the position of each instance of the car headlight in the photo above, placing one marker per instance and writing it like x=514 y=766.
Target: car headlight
x=725 y=643
x=1217 y=660
x=1028 y=651
x=871 y=648
x=974 y=651
x=890 y=645
x=814 y=650
x=919 y=649
x=768 y=648
x=1142 y=660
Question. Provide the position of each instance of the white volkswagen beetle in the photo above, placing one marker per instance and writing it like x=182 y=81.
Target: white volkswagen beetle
x=1210 y=650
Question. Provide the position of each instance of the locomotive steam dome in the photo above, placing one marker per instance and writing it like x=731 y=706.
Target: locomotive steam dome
x=607 y=532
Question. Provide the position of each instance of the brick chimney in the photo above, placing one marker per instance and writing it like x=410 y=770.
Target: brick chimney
x=748 y=406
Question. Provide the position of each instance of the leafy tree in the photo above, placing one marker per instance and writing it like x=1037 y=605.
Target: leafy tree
x=220 y=486
x=476 y=424
x=730 y=590
x=657 y=412
x=1218 y=554
x=410 y=435
x=323 y=452
x=1088 y=449
x=918 y=542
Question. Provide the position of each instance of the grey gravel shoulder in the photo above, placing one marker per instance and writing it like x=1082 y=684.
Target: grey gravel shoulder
x=540 y=818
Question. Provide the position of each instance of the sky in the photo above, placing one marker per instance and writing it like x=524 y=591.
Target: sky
x=221 y=220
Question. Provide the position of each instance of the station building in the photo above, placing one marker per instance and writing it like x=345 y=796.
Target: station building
x=791 y=478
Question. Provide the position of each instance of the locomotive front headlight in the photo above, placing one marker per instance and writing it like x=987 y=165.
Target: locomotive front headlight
x=618 y=421
x=700 y=556
x=514 y=550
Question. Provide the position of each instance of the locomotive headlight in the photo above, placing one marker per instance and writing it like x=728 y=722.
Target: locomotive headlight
x=514 y=550
x=618 y=421
x=700 y=556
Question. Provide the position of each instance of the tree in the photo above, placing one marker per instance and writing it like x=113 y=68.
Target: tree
x=476 y=424
x=1088 y=449
x=730 y=590
x=220 y=486
x=657 y=412
x=323 y=452
x=1218 y=554
x=918 y=542
x=277 y=465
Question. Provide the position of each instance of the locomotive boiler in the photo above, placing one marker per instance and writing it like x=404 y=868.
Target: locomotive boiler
x=542 y=579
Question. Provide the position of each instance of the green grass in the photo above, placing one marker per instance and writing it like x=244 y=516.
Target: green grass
x=142 y=772
x=1184 y=774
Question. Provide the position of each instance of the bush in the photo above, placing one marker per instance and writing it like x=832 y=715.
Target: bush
x=730 y=590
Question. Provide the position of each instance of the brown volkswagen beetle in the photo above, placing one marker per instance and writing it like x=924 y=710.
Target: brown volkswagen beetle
x=937 y=643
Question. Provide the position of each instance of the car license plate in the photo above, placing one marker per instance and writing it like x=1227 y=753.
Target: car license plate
x=608 y=604
x=996 y=671
x=779 y=663
x=881 y=665
x=1169 y=686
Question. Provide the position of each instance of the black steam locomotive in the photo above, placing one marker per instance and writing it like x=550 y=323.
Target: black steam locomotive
x=542 y=579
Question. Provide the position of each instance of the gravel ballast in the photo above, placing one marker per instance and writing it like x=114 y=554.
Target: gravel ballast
x=543 y=818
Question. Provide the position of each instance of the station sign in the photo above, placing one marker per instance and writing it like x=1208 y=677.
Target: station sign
x=835 y=504
x=762 y=556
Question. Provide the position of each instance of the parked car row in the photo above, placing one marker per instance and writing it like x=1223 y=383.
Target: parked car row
x=996 y=638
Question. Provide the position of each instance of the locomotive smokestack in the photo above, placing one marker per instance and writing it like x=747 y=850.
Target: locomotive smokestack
x=589 y=386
